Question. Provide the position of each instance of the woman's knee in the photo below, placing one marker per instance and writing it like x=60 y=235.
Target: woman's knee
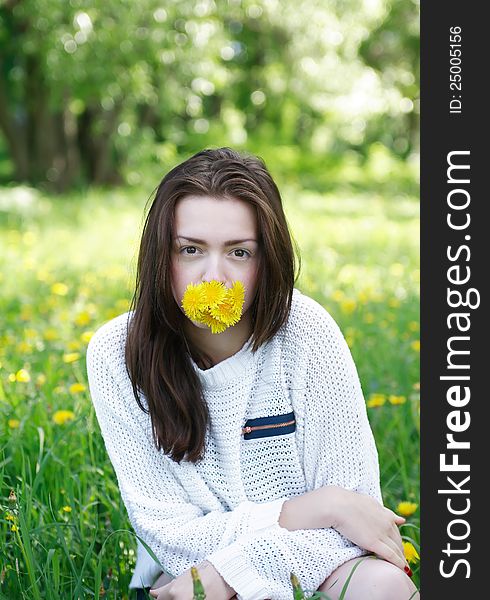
x=388 y=582
x=373 y=579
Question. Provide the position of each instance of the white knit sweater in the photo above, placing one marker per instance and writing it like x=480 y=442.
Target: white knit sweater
x=226 y=508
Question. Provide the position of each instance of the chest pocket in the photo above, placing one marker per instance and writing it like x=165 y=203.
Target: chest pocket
x=269 y=426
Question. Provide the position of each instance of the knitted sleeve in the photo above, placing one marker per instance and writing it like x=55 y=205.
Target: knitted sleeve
x=159 y=509
x=338 y=449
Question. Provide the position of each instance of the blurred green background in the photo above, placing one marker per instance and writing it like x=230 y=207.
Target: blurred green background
x=98 y=100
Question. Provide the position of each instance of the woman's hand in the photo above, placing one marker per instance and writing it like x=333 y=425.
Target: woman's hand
x=358 y=517
x=367 y=523
x=182 y=587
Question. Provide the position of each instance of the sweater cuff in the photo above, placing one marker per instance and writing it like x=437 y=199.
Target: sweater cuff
x=231 y=564
x=266 y=514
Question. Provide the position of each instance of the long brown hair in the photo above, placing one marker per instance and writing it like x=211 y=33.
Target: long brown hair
x=157 y=352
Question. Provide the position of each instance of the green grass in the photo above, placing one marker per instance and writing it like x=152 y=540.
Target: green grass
x=66 y=534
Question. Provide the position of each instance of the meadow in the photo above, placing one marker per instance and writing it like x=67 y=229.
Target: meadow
x=67 y=265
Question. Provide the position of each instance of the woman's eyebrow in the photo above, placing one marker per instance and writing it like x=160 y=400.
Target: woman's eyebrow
x=227 y=243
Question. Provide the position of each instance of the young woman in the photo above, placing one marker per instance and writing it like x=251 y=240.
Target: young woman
x=246 y=453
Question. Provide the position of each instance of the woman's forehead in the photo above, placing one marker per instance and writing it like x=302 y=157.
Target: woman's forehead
x=198 y=216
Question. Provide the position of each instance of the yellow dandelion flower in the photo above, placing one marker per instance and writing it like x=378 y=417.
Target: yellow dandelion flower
x=71 y=357
x=61 y=417
x=59 y=289
x=410 y=552
x=392 y=399
x=14 y=423
x=376 y=400
x=406 y=509
x=9 y=517
x=415 y=345
x=226 y=313
x=24 y=347
x=236 y=295
x=193 y=300
x=26 y=313
x=66 y=509
x=82 y=318
x=86 y=336
x=22 y=375
x=50 y=334
x=362 y=297
x=14 y=528
x=216 y=325
x=348 y=306
x=76 y=388
x=214 y=293
x=73 y=345
x=338 y=296
x=41 y=379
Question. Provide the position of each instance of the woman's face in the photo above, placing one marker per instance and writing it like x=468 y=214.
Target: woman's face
x=214 y=239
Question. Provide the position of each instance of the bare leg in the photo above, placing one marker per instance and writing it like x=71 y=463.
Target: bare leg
x=161 y=581
x=373 y=579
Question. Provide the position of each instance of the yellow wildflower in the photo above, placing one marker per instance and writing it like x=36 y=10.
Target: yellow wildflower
x=14 y=423
x=86 y=336
x=50 y=334
x=24 y=347
x=22 y=375
x=9 y=517
x=82 y=318
x=76 y=388
x=236 y=295
x=376 y=400
x=214 y=293
x=410 y=552
x=193 y=300
x=61 y=417
x=74 y=345
x=14 y=528
x=415 y=345
x=348 y=306
x=338 y=296
x=26 y=313
x=369 y=318
x=66 y=509
x=406 y=509
x=413 y=326
x=213 y=304
x=71 y=357
x=392 y=399
x=216 y=325
x=41 y=379
x=59 y=289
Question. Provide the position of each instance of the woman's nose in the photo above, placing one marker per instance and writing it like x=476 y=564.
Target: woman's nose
x=214 y=271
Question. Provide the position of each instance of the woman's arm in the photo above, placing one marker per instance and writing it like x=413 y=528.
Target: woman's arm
x=358 y=517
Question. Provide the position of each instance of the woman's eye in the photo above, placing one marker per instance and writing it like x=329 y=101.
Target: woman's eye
x=242 y=250
x=187 y=248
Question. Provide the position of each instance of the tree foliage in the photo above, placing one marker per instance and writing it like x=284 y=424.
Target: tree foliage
x=91 y=90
